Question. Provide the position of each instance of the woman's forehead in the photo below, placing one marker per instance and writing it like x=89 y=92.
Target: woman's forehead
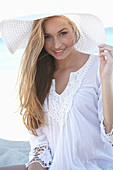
x=56 y=23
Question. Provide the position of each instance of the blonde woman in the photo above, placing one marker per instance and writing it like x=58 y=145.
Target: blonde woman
x=66 y=94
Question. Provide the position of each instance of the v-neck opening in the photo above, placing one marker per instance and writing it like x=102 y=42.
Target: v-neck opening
x=71 y=73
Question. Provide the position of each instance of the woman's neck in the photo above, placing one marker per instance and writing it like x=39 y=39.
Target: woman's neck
x=69 y=61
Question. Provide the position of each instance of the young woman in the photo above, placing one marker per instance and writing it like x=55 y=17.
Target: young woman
x=66 y=97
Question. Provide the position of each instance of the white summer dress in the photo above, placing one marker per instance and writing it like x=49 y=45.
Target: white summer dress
x=75 y=137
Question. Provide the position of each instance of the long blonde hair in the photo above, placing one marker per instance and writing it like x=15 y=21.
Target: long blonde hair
x=35 y=75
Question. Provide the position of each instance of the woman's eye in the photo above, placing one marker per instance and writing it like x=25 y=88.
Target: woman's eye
x=63 y=33
x=46 y=36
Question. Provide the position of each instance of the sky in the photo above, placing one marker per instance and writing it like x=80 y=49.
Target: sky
x=101 y=8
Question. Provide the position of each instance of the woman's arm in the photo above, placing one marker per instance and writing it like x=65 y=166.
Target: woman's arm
x=36 y=166
x=40 y=156
x=107 y=96
x=106 y=72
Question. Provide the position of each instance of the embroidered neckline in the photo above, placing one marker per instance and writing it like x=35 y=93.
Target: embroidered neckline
x=72 y=74
x=58 y=105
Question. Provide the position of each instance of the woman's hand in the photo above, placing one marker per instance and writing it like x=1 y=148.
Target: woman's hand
x=106 y=64
x=106 y=71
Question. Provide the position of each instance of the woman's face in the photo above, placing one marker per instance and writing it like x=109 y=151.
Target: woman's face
x=59 y=38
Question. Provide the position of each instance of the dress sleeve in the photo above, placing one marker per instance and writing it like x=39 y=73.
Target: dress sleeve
x=108 y=138
x=40 y=150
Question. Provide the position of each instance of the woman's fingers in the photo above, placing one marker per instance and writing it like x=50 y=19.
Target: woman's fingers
x=106 y=51
x=105 y=47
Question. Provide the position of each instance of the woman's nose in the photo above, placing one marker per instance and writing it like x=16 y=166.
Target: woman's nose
x=56 y=43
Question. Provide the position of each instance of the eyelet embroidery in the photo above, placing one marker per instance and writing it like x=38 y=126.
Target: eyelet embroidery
x=42 y=155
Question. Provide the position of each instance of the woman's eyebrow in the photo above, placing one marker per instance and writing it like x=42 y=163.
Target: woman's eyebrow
x=58 y=31
x=62 y=30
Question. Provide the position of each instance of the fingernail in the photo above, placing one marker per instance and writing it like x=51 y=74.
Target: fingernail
x=100 y=45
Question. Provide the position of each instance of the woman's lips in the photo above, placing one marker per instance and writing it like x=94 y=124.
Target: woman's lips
x=58 y=52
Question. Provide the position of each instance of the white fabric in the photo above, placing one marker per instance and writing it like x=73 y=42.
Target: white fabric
x=15 y=33
x=75 y=133
x=40 y=150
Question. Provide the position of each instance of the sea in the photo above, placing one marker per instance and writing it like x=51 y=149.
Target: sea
x=11 y=125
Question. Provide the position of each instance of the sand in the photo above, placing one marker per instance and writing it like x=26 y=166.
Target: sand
x=13 y=152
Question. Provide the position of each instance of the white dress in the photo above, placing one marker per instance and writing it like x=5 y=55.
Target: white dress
x=75 y=137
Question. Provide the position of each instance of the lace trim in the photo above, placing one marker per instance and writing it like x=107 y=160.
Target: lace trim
x=42 y=155
x=58 y=106
x=108 y=138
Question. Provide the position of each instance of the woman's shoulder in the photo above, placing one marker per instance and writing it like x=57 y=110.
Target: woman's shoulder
x=92 y=69
x=94 y=62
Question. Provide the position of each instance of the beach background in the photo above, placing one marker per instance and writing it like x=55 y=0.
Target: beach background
x=14 y=137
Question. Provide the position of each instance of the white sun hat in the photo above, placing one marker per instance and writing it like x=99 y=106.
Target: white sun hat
x=15 y=32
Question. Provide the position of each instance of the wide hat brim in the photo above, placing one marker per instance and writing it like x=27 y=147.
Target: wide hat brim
x=15 y=32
